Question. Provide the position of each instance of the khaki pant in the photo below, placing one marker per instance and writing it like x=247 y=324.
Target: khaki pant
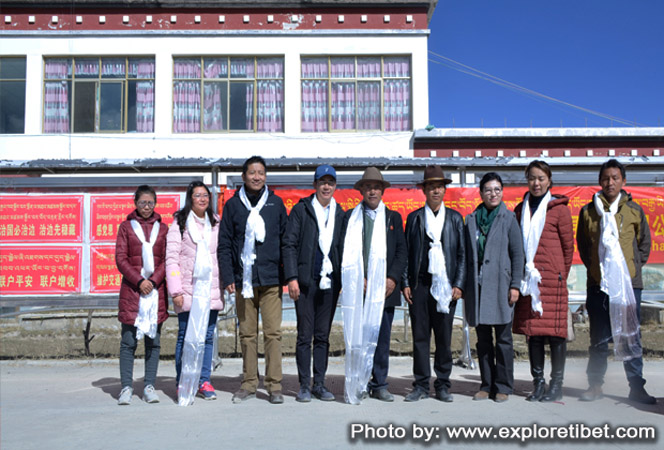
x=267 y=299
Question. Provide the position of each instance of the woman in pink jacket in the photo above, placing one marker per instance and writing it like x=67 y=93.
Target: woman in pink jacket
x=194 y=226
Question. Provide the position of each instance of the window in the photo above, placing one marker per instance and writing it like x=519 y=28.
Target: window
x=99 y=95
x=356 y=93
x=217 y=94
x=12 y=95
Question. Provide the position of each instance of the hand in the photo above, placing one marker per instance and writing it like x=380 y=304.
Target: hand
x=408 y=295
x=514 y=296
x=456 y=293
x=390 y=284
x=365 y=285
x=178 y=301
x=145 y=287
x=230 y=288
x=294 y=290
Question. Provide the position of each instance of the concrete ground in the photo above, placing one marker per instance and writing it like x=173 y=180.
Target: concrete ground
x=67 y=404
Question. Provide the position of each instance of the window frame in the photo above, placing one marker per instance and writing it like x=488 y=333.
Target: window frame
x=228 y=80
x=357 y=80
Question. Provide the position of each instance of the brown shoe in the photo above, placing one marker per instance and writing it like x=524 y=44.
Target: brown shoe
x=481 y=395
x=243 y=395
x=593 y=393
x=276 y=398
x=500 y=398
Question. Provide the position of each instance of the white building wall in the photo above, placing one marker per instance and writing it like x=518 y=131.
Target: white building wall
x=163 y=143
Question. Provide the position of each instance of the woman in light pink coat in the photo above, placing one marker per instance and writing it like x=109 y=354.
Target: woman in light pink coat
x=180 y=259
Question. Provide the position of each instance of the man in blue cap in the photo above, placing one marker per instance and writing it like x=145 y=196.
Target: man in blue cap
x=312 y=248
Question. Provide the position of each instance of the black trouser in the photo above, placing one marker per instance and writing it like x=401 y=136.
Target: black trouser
x=424 y=317
x=381 y=363
x=315 y=311
x=128 y=346
x=496 y=363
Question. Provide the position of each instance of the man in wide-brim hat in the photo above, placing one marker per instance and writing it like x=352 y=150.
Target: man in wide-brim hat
x=373 y=262
x=435 y=278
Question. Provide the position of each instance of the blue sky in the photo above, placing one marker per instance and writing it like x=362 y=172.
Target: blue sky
x=603 y=55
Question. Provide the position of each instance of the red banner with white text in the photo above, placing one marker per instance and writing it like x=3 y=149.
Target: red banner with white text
x=46 y=218
x=40 y=270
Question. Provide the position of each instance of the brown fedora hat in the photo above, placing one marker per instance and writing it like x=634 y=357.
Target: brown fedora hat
x=434 y=173
x=371 y=174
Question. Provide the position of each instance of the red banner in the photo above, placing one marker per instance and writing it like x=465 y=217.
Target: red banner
x=40 y=270
x=108 y=212
x=465 y=200
x=47 y=218
x=104 y=275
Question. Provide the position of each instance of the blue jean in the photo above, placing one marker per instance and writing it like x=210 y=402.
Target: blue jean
x=382 y=355
x=597 y=305
x=206 y=370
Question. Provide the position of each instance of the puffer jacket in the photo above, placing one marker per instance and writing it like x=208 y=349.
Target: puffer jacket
x=634 y=238
x=553 y=259
x=129 y=259
x=180 y=258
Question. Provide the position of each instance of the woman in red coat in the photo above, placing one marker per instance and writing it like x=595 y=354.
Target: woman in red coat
x=140 y=253
x=541 y=312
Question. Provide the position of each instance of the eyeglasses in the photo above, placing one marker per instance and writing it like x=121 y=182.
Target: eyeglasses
x=203 y=196
x=494 y=191
x=143 y=204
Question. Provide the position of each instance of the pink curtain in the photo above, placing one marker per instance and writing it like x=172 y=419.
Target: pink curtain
x=216 y=68
x=314 y=68
x=342 y=67
x=212 y=107
x=396 y=66
x=397 y=105
x=343 y=106
x=314 y=106
x=269 y=68
x=145 y=107
x=368 y=67
x=57 y=69
x=56 y=107
x=113 y=68
x=270 y=106
x=368 y=106
x=242 y=68
x=249 y=110
x=187 y=68
x=187 y=107
x=86 y=67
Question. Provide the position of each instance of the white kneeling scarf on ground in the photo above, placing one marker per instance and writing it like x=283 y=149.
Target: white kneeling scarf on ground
x=254 y=231
x=148 y=305
x=441 y=289
x=617 y=284
x=362 y=314
x=193 y=349
x=531 y=228
x=325 y=234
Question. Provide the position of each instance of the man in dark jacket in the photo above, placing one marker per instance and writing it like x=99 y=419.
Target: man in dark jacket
x=372 y=186
x=613 y=204
x=250 y=268
x=434 y=235
x=312 y=247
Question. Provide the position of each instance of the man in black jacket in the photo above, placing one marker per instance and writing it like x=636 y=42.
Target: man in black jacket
x=372 y=186
x=312 y=247
x=250 y=268
x=432 y=284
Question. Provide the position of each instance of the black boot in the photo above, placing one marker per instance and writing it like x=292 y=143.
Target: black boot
x=536 y=354
x=558 y=356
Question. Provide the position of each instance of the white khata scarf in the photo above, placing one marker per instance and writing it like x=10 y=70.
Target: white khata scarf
x=254 y=231
x=440 y=285
x=617 y=284
x=193 y=349
x=325 y=234
x=362 y=312
x=148 y=305
x=531 y=228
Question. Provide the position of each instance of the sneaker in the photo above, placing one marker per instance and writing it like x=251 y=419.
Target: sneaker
x=206 y=391
x=304 y=396
x=593 y=393
x=416 y=394
x=443 y=395
x=149 y=395
x=321 y=393
x=276 y=397
x=382 y=395
x=243 y=395
x=639 y=395
x=125 y=395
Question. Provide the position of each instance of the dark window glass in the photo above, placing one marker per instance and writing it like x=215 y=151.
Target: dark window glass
x=12 y=95
x=84 y=107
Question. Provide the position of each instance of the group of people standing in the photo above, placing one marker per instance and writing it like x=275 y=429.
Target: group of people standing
x=510 y=269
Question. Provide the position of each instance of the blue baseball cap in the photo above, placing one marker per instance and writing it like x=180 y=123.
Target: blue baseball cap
x=325 y=169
